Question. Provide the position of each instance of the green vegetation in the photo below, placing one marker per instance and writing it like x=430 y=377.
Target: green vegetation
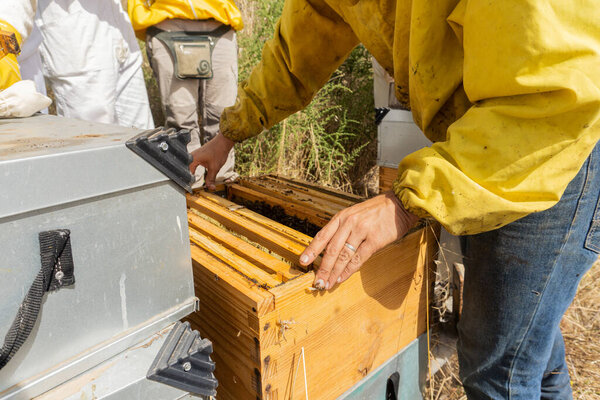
x=332 y=141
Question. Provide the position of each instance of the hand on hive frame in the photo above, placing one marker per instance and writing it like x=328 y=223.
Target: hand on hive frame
x=21 y=99
x=354 y=235
x=212 y=156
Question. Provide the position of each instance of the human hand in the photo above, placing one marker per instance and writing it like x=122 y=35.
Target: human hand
x=354 y=235
x=21 y=99
x=212 y=156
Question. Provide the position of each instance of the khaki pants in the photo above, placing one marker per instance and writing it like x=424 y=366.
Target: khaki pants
x=197 y=104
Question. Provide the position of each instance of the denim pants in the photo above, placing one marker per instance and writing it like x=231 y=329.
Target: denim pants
x=519 y=281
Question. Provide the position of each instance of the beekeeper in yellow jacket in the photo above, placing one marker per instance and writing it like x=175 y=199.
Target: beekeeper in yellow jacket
x=509 y=91
x=18 y=98
x=192 y=49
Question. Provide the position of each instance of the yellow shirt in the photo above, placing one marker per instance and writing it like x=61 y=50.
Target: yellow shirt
x=509 y=91
x=144 y=13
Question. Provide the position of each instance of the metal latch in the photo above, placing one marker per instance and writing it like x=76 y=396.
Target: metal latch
x=184 y=362
x=166 y=150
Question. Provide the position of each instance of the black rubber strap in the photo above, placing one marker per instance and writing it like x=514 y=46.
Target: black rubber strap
x=215 y=33
x=56 y=272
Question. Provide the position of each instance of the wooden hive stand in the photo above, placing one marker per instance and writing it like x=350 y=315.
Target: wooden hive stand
x=258 y=307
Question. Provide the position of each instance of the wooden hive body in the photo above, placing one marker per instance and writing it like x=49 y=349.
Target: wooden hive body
x=258 y=308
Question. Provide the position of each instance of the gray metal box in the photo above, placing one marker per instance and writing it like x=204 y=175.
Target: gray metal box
x=129 y=241
x=397 y=137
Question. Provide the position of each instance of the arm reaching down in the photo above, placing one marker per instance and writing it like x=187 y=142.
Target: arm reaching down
x=310 y=42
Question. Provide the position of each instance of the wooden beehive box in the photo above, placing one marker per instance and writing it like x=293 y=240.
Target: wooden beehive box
x=258 y=307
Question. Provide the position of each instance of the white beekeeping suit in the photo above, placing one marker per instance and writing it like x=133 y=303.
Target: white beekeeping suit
x=92 y=61
x=31 y=62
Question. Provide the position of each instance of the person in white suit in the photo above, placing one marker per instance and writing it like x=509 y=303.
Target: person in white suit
x=90 y=58
x=30 y=62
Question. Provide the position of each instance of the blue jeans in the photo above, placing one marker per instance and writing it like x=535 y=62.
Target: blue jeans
x=519 y=281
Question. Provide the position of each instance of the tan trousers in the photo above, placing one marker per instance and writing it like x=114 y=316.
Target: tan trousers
x=197 y=104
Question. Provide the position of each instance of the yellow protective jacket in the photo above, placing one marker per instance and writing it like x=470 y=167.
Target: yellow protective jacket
x=145 y=13
x=16 y=16
x=509 y=91
x=9 y=67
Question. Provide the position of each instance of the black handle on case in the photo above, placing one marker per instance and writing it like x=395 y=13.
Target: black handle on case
x=57 y=271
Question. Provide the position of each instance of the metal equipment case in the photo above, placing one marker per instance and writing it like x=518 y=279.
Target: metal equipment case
x=130 y=246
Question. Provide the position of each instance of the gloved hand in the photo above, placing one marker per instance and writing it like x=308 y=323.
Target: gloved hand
x=21 y=99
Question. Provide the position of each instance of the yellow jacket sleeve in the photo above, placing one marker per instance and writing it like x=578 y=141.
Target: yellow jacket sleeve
x=531 y=69
x=309 y=43
x=9 y=67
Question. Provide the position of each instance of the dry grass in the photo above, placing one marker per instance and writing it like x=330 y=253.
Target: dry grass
x=581 y=330
x=446 y=384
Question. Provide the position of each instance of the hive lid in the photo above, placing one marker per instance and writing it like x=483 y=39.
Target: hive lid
x=46 y=161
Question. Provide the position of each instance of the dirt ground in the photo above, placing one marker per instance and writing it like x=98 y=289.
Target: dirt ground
x=581 y=330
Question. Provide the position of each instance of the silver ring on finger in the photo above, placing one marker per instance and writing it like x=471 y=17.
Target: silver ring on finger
x=350 y=247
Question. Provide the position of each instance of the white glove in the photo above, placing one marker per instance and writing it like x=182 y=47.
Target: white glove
x=21 y=99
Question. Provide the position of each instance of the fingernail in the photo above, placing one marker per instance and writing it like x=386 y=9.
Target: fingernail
x=339 y=279
x=319 y=284
x=327 y=286
x=303 y=259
